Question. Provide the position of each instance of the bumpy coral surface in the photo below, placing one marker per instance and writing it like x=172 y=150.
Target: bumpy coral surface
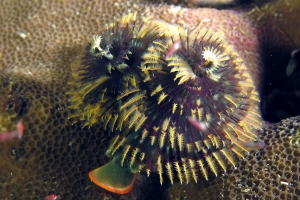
x=44 y=39
x=270 y=173
x=54 y=155
x=41 y=42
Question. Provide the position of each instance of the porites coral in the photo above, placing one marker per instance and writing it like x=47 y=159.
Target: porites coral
x=271 y=173
x=44 y=41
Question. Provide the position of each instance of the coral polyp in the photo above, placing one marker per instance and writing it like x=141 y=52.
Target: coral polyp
x=146 y=85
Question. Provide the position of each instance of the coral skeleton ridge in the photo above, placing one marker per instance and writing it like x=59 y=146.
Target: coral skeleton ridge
x=132 y=85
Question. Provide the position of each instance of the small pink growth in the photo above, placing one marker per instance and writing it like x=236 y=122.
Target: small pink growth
x=9 y=135
x=198 y=124
x=251 y=146
x=173 y=49
x=52 y=197
x=20 y=129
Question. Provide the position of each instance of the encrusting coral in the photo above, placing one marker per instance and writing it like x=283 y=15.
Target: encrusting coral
x=41 y=43
x=54 y=156
x=270 y=173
